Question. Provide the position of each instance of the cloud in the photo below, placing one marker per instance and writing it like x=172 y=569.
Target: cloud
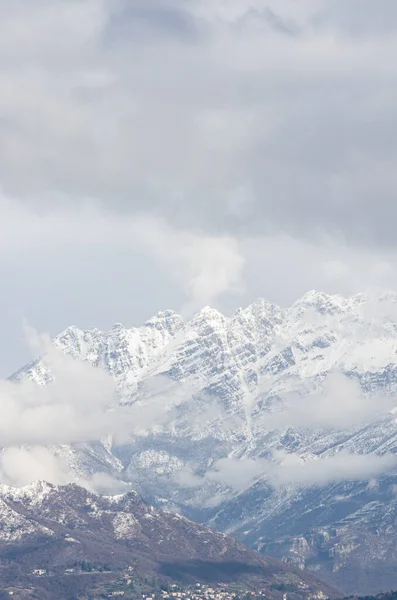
x=182 y=111
x=79 y=403
x=39 y=343
x=151 y=157
x=359 y=18
x=338 y=403
x=216 y=267
x=237 y=473
x=105 y=484
x=81 y=115
x=21 y=466
x=187 y=478
x=205 y=266
x=283 y=267
x=333 y=469
x=290 y=470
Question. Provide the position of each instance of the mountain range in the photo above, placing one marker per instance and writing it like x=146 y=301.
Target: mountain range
x=274 y=425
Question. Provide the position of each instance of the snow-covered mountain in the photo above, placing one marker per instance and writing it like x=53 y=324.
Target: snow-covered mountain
x=256 y=400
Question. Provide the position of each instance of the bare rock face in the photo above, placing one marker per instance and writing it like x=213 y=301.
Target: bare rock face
x=226 y=378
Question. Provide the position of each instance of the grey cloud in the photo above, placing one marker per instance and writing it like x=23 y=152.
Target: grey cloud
x=272 y=19
x=146 y=21
x=93 y=268
x=359 y=17
x=280 y=148
x=304 y=124
x=283 y=26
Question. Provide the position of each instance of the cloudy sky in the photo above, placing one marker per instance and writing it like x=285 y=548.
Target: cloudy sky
x=173 y=153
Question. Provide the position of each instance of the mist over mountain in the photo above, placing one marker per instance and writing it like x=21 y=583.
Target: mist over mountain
x=274 y=425
x=194 y=155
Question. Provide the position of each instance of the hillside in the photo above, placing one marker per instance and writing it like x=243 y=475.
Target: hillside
x=49 y=533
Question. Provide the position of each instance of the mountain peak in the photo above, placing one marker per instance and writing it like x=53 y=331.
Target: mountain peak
x=167 y=320
x=211 y=313
x=208 y=316
x=72 y=331
x=315 y=296
x=34 y=492
x=323 y=303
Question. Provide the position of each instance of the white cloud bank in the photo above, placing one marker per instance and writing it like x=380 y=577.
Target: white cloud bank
x=290 y=470
x=21 y=466
x=340 y=403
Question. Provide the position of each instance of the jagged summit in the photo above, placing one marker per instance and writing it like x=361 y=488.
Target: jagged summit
x=169 y=320
x=39 y=488
x=235 y=356
x=172 y=321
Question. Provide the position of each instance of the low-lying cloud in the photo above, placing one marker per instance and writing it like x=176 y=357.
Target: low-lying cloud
x=22 y=466
x=187 y=478
x=338 y=403
x=78 y=403
x=291 y=470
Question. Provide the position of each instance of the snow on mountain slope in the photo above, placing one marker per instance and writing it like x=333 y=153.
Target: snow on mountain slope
x=316 y=334
x=249 y=387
